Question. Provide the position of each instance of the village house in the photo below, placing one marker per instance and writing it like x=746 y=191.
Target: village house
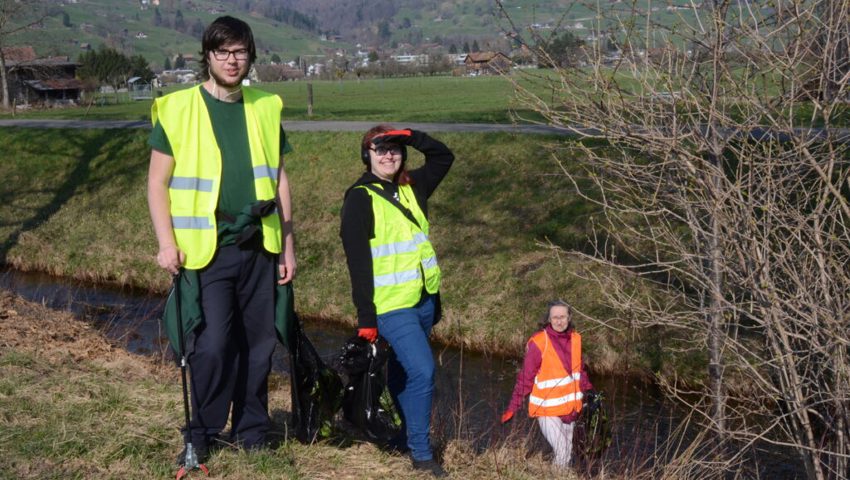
x=483 y=63
x=45 y=81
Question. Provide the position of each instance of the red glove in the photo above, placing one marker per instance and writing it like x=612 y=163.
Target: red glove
x=507 y=416
x=397 y=137
x=370 y=334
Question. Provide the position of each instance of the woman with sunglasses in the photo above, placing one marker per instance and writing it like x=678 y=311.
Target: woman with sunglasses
x=395 y=278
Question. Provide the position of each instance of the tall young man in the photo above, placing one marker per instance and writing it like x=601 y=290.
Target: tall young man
x=217 y=153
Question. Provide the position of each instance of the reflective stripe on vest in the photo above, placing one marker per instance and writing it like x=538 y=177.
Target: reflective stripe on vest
x=265 y=171
x=191 y=183
x=194 y=186
x=191 y=223
x=557 y=388
x=403 y=259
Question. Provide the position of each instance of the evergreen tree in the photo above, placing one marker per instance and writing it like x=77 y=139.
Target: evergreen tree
x=179 y=62
x=157 y=17
x=475 y=47
x=564 y=50
x=453 y=49
x=465 y=47
x=139 y=67
x=179 y=22
x=384 y=30
x=107 y=66
x=167 y=64
x=66 y=19
x=197 y=29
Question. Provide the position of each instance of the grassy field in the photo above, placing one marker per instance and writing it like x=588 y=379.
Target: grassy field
x=446 y=99
x=488 y=99
x=75 y=206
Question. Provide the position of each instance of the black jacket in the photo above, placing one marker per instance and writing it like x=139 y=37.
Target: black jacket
x=358 y=222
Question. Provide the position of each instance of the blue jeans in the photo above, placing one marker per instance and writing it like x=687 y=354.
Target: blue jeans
x=410 y=371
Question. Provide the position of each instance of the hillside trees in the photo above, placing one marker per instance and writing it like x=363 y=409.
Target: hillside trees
x=717 y=148
x=15 y=16
x=564 y=50
x=276 y=10
x=179 y=21
x=107 y=66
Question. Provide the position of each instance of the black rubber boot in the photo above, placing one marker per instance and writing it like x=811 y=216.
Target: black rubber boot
x=430 y=466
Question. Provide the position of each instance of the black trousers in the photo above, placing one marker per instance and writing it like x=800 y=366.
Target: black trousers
x=230 y=355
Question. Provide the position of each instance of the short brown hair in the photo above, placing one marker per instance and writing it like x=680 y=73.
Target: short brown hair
x=224 y=30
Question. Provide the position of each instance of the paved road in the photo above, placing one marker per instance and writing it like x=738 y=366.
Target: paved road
x=840 y=135
x=306 y=126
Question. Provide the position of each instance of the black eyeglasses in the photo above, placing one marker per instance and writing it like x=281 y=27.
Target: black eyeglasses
x=240 y=55
x=381 y=151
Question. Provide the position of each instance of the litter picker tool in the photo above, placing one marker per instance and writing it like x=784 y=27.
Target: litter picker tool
x=190 y=458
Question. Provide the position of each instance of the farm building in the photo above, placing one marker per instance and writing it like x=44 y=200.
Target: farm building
x=34 y=80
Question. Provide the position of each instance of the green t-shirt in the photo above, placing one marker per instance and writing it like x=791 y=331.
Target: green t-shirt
x=231 y=134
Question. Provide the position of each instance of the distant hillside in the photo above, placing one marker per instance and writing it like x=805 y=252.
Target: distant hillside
x=290 y=28
x=174 y=27
x=414 y=21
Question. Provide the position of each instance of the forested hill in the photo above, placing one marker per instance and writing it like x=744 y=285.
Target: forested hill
x=158 y=29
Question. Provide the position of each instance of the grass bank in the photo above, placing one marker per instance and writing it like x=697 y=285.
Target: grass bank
x=75 y=407
x=74 y=206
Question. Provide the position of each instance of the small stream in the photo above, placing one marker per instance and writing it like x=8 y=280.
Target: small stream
x=471 y=392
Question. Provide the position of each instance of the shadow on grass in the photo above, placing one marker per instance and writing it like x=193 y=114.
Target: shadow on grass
x=84 y=147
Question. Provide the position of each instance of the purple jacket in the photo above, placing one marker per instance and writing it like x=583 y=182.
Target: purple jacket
x=531 y=365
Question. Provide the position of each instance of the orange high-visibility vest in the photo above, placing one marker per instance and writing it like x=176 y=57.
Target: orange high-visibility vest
x=556 y=390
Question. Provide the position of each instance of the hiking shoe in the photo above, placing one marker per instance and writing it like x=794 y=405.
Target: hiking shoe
x=430 y=466
x=202 y=454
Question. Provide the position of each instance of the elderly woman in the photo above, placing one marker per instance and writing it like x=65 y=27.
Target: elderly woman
x=395 y=278
x=554 y=379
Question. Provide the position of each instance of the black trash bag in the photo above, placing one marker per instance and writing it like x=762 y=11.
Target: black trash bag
x=367 y=403
x=316 y=389
x=594 y=432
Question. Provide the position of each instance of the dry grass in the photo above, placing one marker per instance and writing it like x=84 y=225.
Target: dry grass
x=75 y=406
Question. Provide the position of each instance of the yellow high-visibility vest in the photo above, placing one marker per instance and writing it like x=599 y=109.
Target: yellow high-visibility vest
x=403 y=259
x=194 y=186
x=556 y=389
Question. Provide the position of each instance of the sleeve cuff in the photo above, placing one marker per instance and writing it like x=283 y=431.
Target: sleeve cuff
x=368 y=321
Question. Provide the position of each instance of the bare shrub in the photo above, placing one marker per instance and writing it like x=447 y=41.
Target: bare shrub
x=723 y=176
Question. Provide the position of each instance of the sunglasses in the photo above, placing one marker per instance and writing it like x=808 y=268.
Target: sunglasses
x=382 y=150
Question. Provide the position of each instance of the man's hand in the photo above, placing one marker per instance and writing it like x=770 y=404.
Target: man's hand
x=171 y=259
x=286 y=267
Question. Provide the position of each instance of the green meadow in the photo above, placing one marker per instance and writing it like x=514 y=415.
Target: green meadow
x=486 y=99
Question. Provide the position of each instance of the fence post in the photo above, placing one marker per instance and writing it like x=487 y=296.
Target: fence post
x=309 y=99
